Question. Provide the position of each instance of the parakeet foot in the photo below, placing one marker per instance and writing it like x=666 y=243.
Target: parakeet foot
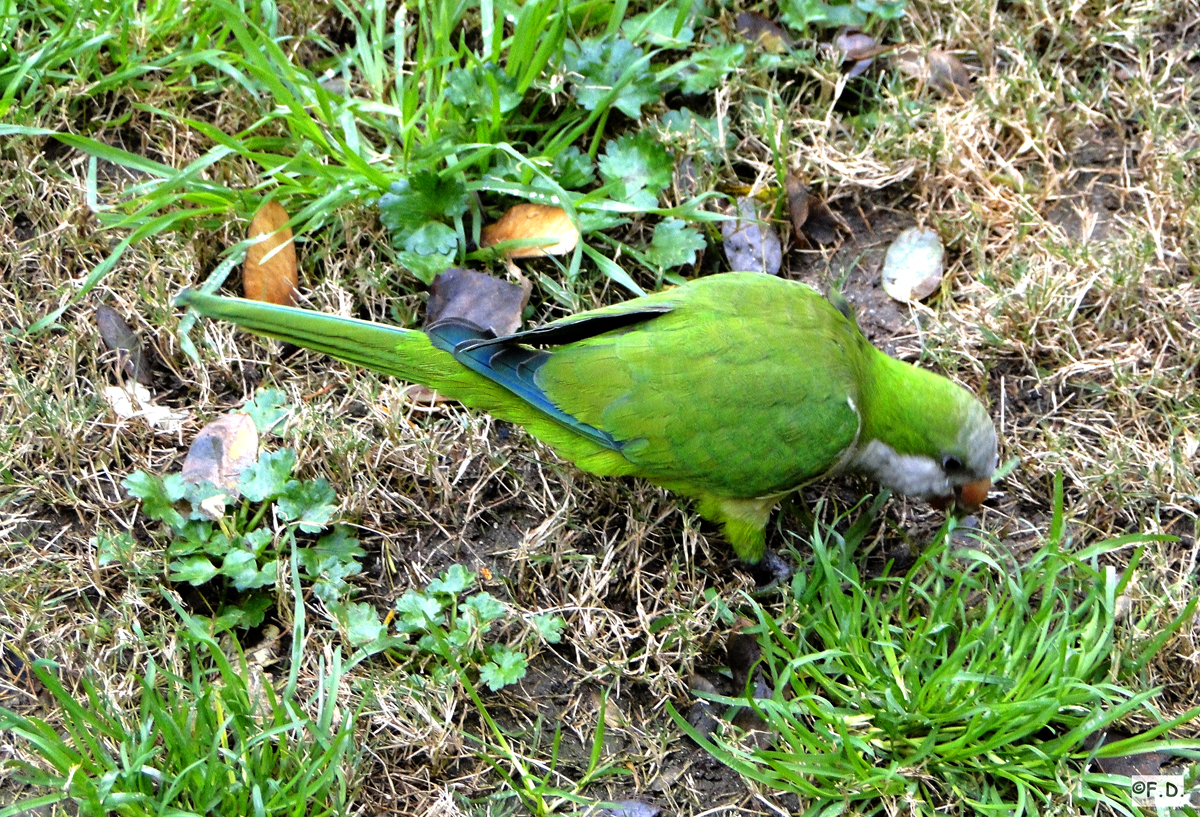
x=770 y=572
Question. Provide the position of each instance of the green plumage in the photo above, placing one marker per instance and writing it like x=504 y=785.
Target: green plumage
x=734 y=389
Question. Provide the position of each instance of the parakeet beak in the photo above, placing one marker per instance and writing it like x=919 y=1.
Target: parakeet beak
x=966 y=498
x=971 y=496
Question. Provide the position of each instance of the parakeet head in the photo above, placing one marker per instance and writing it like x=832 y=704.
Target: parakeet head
x=926 y=437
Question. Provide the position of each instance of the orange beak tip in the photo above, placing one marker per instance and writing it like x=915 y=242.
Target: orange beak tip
x=973 y=494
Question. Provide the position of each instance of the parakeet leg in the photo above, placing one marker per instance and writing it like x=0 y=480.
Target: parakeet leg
x=744 y=522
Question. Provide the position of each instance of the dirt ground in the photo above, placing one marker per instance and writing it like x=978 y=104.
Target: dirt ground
x=1071 y=301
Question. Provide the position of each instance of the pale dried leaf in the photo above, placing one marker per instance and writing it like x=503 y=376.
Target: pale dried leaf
x=751 y=244
x=858 y=48
x=221 y=451
x=947 y=74
x=269 y=273
x=912 y=268
x=526 y=222
x=855 y=45
x=117 y=336
x=134 y=401
x=484 y=300
x=630 y=808
x=418 y=395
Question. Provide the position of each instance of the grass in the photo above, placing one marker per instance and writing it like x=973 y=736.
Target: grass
x=973 y=680
x=137 y=138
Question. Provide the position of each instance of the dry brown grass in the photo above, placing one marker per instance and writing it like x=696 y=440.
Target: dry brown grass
x=1065 y=188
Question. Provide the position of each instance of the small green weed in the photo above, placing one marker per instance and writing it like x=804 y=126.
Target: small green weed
x=441 y=629
x=974 y=678
x=239 y=546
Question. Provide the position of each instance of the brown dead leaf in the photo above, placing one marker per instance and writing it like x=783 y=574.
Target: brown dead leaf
x=939 y=69
x=797 y=198
x=760 y=29
x=533 y=221
x=219 y=453
x=741 y=656
x=120 y=338
x=750 y=244
x=484 y=300
x=418 y=395
x=947 y=74
x=823 y=225
x=859 y=48
x=269 y=273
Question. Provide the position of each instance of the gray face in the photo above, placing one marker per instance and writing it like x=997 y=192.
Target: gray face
x=972 y=460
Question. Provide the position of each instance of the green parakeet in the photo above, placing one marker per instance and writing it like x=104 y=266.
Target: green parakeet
x=734 y=389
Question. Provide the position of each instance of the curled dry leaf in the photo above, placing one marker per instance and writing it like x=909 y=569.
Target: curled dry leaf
x=857 y=48
x=939 y=69
x=628 y=808
x=823 y=225
x=269 y=273
x=221 y=451
x=484 y=300
x=947 y=74
x=117 y=336
x=134 y=401
x=760 y=29
x=797 y=198
x=912 y=268
x=420 y=396
x=750 y=244
x=529 y=222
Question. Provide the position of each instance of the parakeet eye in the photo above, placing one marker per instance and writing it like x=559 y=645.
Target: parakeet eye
x=951 y=465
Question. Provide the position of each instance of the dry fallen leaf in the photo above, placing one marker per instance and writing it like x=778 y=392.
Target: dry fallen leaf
x=269 y=273
x=120 y=338
x=219 y=453
x=764 y=31
x=858 y=48
x=750 y=244
x=797 y=197
x=940 y=70
x=421 y=396
x=484 y=300
x=823 y=225
x=134 y=401
x=947 y=74
x=533 y=221
x=912 y=268
x=628 y=808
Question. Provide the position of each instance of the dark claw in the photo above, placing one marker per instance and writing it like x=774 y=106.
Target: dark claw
x=770 y=572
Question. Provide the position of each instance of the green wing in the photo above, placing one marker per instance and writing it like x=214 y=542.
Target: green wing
x=745 y=389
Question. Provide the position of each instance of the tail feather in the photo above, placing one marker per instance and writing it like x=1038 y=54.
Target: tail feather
x=403 y=353
x=409 y=355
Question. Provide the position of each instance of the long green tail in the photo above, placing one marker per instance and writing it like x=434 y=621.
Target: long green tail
x=406 y=354
x=403 y=353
